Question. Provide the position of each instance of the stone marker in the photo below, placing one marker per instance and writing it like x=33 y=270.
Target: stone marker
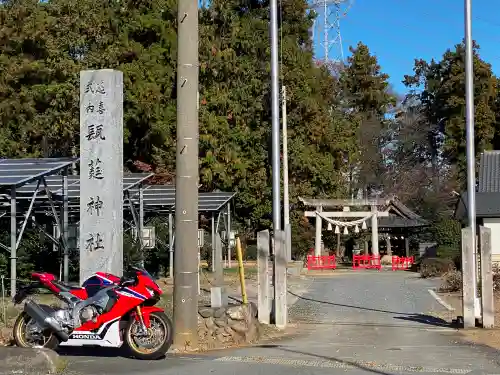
x=101 y=172
x=486 y=271
x=280 y=288
x=467 y=285
x=218 y=296
x=263 y=293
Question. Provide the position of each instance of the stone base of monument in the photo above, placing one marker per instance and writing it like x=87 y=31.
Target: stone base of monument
x=227 y=326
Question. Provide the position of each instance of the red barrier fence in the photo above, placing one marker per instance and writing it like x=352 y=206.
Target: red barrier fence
x=366 y=262
x=321 y=262
x=402 y=263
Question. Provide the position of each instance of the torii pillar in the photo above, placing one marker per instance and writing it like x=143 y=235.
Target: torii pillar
x=319 y=228
x=375 y=231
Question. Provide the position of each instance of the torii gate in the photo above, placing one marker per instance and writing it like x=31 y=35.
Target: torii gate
x=346 y=204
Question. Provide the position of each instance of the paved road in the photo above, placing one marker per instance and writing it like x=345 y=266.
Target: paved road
x=353 y=323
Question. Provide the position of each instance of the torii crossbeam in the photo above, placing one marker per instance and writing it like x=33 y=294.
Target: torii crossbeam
x=345 y=204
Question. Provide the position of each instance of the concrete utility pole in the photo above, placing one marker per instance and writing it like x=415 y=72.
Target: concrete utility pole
x=286 y=203
x=286 y=199
x=275 y=107
x=186 y=195
x=469 y=136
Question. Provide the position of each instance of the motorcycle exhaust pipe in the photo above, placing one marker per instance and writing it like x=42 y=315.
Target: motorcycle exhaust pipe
x=44 y=320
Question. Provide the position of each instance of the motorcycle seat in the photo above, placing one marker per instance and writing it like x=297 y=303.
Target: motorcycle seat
x=65 y=287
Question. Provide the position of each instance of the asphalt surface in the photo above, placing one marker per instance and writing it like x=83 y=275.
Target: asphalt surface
x=353 y=323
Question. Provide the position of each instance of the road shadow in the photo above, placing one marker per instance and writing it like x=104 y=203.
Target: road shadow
x=330 y=359
x=90 y=352
x=345 y=305
x=427 y=319
x=404 y=316
x=99 y=352
x=420 y=325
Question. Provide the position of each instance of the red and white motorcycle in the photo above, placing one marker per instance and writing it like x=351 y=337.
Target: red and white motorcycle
x=107 y=311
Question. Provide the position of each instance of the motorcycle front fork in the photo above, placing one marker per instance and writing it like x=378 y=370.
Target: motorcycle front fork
x=141 y=320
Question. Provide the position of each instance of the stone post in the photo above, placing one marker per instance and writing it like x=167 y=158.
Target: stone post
x=217 y=293
x=467 y=279
x=280 y=284
x=488 y=305
x=263 y=291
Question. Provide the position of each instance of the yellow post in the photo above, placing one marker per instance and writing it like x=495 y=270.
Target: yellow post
x=241 y=271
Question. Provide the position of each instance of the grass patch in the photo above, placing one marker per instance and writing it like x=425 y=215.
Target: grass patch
x=234 y=271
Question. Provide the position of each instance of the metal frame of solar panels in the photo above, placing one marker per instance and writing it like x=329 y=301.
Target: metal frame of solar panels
x=160 y=199
x=130 y=181
x=14 y=174
x=36 y=183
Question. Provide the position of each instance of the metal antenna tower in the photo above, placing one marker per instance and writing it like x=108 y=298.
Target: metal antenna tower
x=326 y=29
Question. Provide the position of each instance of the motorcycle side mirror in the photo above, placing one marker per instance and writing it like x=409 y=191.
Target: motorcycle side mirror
x=127 y=282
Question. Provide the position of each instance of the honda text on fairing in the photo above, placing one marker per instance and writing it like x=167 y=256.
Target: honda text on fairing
x=106 y=311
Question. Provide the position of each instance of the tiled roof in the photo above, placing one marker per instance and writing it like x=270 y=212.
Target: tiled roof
x=488 y=189
x=489 y=172
x=487 y=205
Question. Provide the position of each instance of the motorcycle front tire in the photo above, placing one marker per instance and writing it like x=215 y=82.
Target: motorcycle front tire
x=19 y=333
x=159 y=352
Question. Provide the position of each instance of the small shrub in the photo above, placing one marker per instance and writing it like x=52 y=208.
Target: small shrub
x=496 y=278
x=435 y=267
x=386 y=260
x=206 y=254
x=251 y=252
x=452 y=281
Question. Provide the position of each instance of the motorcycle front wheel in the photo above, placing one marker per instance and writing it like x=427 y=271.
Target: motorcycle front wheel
x=27 y=334
x=154 y=343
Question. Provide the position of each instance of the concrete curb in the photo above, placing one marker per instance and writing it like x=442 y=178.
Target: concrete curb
x=296 y=291
x=15 y=360
x=440 y=300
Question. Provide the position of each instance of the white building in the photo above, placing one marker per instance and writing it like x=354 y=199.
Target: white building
x=487 y=200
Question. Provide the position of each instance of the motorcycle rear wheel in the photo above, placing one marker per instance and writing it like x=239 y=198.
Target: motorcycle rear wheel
x=133 y=342
x=23 y=324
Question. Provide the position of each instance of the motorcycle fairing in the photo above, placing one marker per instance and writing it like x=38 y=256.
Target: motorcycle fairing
x=107 y=336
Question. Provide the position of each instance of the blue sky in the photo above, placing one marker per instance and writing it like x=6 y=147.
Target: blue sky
x=398 y=31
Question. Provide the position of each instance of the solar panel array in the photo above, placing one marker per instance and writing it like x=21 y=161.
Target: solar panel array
x=25 y=174
x=162 y=198
x=55 y=185
x=19 y=172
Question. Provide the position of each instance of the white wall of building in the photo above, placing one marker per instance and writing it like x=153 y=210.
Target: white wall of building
x=494 y=225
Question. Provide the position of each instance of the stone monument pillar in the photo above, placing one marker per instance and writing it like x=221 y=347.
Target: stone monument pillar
x=101 y=172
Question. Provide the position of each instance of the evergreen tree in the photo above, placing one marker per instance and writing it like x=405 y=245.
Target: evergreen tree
x=366 y=95
x=442 y=101
x=43 y=47
x=236 y=113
